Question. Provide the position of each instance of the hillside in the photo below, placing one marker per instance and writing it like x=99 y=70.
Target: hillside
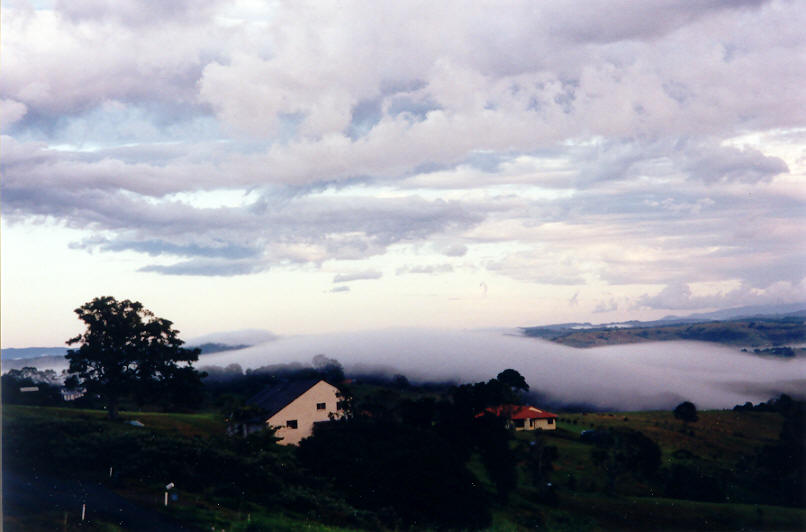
x=756 y=332
x=708 y=476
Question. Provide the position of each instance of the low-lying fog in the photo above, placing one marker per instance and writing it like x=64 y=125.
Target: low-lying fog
x=624 y=377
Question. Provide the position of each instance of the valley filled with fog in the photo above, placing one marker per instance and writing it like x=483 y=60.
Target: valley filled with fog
x=622 y=377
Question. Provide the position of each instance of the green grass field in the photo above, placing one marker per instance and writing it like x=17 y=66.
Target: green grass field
x=714 y=444
x=205 y=424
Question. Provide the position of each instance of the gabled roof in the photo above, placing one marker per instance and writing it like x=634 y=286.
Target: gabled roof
x=519 y=412
x=277 y=396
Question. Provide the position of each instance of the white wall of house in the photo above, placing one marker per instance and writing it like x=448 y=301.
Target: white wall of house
x=544 y=424
x=534 y=424
x=304 y=411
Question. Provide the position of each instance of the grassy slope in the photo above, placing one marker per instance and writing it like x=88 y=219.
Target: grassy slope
x=206 y=424
x=720 y=439
x=749 y=333
x=193 y=508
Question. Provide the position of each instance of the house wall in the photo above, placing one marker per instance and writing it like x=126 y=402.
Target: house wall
x=544 y=424
x=535 y=424
x=303 y=410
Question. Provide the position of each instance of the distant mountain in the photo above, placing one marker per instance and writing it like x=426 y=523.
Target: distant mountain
x=783 y=328
x=243 y=337
x=14 y=353
x=56 y=362
x=210 y=347
x=784 y=309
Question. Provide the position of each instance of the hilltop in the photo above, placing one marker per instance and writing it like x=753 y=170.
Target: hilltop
x=760 y=331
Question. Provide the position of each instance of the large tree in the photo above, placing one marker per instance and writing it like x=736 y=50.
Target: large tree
x=126 y=350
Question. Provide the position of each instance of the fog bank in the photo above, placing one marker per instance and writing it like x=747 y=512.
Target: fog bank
x=625 y=377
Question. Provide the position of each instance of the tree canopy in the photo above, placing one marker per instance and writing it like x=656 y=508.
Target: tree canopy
x=126 y=349
x=686 y=411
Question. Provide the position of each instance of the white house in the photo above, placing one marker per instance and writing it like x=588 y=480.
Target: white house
x=294 y=407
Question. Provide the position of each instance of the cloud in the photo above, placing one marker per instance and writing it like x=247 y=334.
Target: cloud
x=426 y=269
x=574 y=300
x=678 y=296
x=338 y=289
x=11 y=112
x=209 y=268
x=606 y=306
x=563 y=151
x=724 y=163
x=161 y=247
x=627 y=377
x=356 y=276
x=455 y=250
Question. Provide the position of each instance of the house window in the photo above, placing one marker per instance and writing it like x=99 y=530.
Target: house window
x=320 y=406
x=551 y=421
x=519 y=423
x=291 y=423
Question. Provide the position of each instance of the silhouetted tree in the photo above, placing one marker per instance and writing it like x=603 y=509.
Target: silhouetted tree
x=406 y=474
x=126 y=349
x=686 y=411
x=628 y=451
x=540 y=459
x=45 y=383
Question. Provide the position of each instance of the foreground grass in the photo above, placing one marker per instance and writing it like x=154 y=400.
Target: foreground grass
x=643 y=513
x=202 y=424
x=717 y=441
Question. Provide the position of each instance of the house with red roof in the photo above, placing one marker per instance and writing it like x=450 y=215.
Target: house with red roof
x=524 y=417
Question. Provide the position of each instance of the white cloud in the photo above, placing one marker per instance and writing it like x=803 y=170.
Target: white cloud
x=679 y=296
x=356 y=276
x=535 y=142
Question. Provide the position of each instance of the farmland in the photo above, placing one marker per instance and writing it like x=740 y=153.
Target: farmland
x=65 y=446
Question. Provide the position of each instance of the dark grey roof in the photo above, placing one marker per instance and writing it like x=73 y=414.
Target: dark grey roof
x=277 y=396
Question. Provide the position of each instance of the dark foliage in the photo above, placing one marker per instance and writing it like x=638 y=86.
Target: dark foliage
x=506 y=388
x=688 y=481
x=686 y=411
x=230 y=387
x=46 y=382
x=491 y=438
x=781 y=468
x=127 y=350
x=627 y=452
x=406 y=475
x=539 y=459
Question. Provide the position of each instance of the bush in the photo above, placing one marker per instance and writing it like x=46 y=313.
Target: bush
x=686 y=411
x=401 y=473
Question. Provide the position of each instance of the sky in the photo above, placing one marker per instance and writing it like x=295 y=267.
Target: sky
x=325 y=167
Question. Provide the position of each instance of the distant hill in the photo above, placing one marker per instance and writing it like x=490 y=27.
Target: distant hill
x=758 y=331
x=14 y=353
x=212 y=347
x=788 y=309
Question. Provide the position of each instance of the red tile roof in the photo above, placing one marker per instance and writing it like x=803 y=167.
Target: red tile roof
x=519 y=412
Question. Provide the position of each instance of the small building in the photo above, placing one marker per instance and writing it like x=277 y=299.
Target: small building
x=294 y=407
x=524 y=417
x=71 y=394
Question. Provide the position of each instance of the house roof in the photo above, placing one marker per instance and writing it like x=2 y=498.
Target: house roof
x=519 y=412
x=277 y=396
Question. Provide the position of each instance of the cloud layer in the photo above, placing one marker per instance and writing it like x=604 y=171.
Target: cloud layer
x=631 y=377
x=655 y=161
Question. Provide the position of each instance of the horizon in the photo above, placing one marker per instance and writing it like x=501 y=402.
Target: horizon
x=319 y=169
x=236 y=336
